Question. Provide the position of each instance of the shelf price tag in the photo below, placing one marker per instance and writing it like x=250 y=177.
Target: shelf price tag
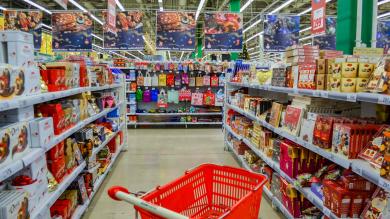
x=384 y=183
x=384 y=100
x=359 y=170
x=316 y=93
x=325 y=94
x=351 y=97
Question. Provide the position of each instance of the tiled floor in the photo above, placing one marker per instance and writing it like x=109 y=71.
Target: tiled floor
x=157 y=156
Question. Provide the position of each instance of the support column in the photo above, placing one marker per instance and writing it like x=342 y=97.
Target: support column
x=234 y=7
x=199 y=42
x=347 y=24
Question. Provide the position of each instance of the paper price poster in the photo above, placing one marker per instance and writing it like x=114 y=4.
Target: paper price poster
x=328 y=40
x=223 y=32
x=318 y=14
x=72 y=31
x=129 y=32
x=27 y=21
x=175 y=31
x=280 y=32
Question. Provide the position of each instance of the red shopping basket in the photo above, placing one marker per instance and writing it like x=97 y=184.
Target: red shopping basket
x=208 y=191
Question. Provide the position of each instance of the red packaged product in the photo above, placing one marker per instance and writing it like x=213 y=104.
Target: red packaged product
x=355 y=182
x=61 y=207
x=290 y=198
x=57 y=168
x=289 y=158
x=56 y=112
x=337 y=199
x=56 y=152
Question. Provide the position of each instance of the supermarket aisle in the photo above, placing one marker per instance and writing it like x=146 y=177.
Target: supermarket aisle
x=157 y=156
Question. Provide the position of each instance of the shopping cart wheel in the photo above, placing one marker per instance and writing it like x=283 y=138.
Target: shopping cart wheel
x=113 y=190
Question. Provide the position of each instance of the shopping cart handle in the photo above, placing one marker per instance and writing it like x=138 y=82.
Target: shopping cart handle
x=119 y=193
x=113 y=191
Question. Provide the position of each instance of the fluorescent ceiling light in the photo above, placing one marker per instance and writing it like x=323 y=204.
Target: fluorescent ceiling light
x=307 y=43
x=384 y=15
x=306 y=29
x=246 y=5
x=309 y=9
x=96 y=19
x=251 y=49
x=2 y=8
x=182 y=53
x=383 y=2
x=282 y=6
x=254 y=36
x=78 y=5
x=38 y=6
x=161 y=8
x=97 y=37
x=141 y=52
x=252 y=25
x=254 y=53
x=169 y=55
x=120 y=6
x=201 y=3
x=47 y=26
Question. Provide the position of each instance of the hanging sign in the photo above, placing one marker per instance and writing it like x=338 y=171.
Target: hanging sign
x=72 y=31
x=280 y=32
x=25 y=20
x=383 y=35
x=328 y=40
x=111 y=16
x=175 y=31
x=318 y=17
x=129 y=32
x=223 y=32
x=62 y=3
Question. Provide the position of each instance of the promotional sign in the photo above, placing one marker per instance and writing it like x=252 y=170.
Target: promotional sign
x=46 y=46
x=129 y=31
x=383 y=35
x=111 y=16
x=328 y=40
x=318 y=16
x=25 y=20
x=72 y=31
x=62 y=3
x=223 y=32
x=175 y=31
x=280 y=32
x=1 y=23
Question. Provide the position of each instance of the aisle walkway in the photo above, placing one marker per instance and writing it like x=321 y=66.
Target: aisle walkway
x=157 y=156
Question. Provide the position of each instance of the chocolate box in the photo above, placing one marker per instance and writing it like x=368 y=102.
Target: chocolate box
x=17 y=48
x=365 y=70
x=348 y=85
x=42 y=132
x=349 y=70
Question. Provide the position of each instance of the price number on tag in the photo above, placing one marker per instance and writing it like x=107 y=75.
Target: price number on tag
x=384 y=183
x=384 y=100
x=324 y=94
x=351 y=97
x=359 y=170
x=316 y=93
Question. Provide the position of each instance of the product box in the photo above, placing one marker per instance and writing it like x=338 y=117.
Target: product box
x=15 y=140
x=320 y=81
x=17 y=48
x=365 y=70
x=335 y=84
x=349 y=69
x=30 y=81
x=289 y=159
x=361 y=84
x=292 y=119
x=321 y=67
x=348 y=85
x=17 y=115
x=42 y=132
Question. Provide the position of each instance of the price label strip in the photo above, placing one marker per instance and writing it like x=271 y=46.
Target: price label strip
x=384 y=100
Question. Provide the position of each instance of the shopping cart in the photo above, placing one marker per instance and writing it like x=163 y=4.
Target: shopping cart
x=206 y=192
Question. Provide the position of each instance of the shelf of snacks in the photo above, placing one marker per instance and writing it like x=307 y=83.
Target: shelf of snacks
x=108 y=139
x=54 y=195
x=19 y=102
x=179 y=114
x=322 y=73
x=360 y=167
x=349 y=140
x=273 y=199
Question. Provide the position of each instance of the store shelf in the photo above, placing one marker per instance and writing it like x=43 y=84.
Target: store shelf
x=130 y=92
x=273 y=199
x=44 y=97
x=175 y=123
x=53 y=196
x=81 y=209
x=358 y=166
x=103 y=144
x=350 y=97
x=204 y=123
x=275 y=166
x=178 y=114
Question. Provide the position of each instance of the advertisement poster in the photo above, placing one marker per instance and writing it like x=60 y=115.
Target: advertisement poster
x=111 y=16
x=318 y=14
x=129 y=31
x=1 y=23
x=280 y=32
x=383 y=35
x=72 y=31
x=25 y=20
x=62 y=3
x=223 y=32
x=328 y=40
x=175 y=31
x=46 y=45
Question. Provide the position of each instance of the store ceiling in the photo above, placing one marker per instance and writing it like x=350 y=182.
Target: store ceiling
x=150 y=7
